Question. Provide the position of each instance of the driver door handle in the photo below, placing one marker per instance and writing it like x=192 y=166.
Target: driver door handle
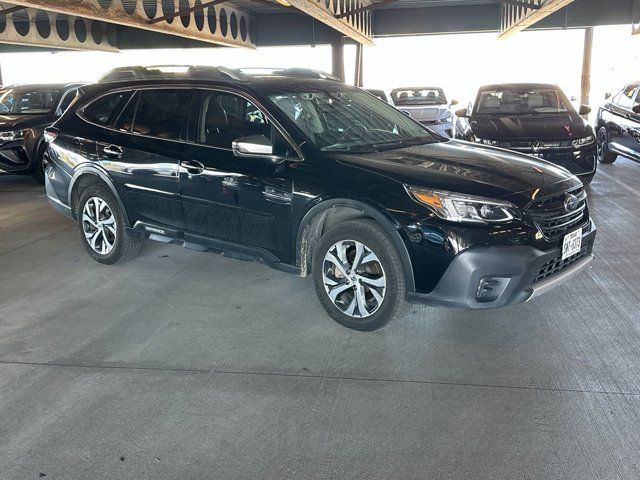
x=192 y=167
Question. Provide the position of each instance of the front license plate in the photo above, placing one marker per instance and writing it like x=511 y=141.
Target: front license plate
x=571 y=244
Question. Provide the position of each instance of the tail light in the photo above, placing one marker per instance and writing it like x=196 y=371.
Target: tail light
x=50 y=134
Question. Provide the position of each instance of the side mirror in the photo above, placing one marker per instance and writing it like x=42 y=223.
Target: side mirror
x=462 y=113
x=454 y=102
x=255 y=146
x=636 y=109
x=406 y=112
x=607 y=95
x=584 y=110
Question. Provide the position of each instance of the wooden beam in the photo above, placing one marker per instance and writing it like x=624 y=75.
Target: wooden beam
x=518 y=18
x=357 y=26
x=230 y=30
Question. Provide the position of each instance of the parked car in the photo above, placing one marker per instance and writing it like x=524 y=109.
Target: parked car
x=25 y=111
x=317 y=178
x=618 y=126
x=427 y=105
x=536 y=119
x=381 y=94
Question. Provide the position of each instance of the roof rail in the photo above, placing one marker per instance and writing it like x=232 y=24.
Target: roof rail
x=163 y=72
x=290 y=72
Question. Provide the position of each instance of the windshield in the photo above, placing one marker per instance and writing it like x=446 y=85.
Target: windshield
x=419 y=96
x=350 y=120
x=522 y=101
x=15 y=101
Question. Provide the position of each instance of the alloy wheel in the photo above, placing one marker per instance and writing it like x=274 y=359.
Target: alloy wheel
x=354 y=279
x=99 y=225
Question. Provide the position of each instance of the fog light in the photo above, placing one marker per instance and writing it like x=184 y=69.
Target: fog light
x=490 y=288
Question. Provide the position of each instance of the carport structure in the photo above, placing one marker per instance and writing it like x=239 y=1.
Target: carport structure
x=127 y=24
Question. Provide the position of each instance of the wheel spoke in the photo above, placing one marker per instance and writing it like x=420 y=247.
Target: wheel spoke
x=362 y=301
x=332 y=258
x=329 y=281
x=358 y=257
x=335 y=291
x=94 y=240
x=341 y=249
x=376 y=295
x=369 y=257
x=88 y=219
x=352 y=307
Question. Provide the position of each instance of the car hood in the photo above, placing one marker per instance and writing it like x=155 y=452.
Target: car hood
x=468 y=168
x=529 y=127
x=424 y=113
x=8 y=122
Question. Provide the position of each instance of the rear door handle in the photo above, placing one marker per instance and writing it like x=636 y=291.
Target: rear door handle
x=112 y=151
x=192 y=167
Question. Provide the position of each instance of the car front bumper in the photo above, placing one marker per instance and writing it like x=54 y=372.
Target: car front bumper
x=515 y=274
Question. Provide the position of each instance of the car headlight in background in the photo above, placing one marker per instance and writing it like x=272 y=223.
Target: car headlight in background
x=583 y=142
x=457 y=207
x=13 y=135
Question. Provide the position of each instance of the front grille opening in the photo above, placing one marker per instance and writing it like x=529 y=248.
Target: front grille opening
x=551 y=217
x=556 y=265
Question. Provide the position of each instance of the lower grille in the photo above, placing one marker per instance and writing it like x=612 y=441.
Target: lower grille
x=557 y=264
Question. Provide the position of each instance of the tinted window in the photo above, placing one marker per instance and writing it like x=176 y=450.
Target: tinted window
x=102 y=110
x=626 y=98
x=124 y=122
x=162 y=113
x=225 y=117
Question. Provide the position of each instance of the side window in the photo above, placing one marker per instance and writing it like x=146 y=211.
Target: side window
x=102 y=110
x=225 y=117
x=124 y=122
x=159 y=113
x=626 y=97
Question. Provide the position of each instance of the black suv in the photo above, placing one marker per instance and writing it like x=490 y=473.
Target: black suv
x=618 y=126
x=536 y=119
x=25 y=111
x=315 y=177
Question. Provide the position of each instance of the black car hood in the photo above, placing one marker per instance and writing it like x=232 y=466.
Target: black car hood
x=468 y=168
x=8 y=122
x=529 y=127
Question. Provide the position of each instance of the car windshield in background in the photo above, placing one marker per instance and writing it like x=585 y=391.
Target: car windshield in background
x=350 y=120
x=15 y=101
x=522 y=101
x=419 y=96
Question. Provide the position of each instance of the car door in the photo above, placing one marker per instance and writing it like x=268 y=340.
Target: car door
x=623 y=123
x=142 y=151
x=245 y=201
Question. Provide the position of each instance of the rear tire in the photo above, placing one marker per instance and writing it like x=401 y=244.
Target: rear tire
x=38 y=172
x=103 y=229
x=359 y=276
x=604 y=155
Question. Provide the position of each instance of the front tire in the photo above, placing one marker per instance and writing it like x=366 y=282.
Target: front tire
x=102 y=227
x=359 y=276
x=604 y=154
x=38 y=171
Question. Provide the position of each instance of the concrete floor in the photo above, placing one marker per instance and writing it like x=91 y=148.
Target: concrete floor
x=186 y=365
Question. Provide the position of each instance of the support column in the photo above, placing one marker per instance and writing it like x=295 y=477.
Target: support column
x=358 y=79
x=337 y=55
x=586 y=67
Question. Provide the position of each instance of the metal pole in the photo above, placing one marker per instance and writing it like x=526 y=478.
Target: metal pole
x=358 y=77
x=337 y=55
x=586 y=67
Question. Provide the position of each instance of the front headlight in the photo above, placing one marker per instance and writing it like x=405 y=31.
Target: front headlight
x=446 y=119
x=457 y=207
x=583 y=142
x=13 y=135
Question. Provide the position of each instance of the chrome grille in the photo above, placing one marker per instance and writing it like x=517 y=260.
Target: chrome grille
x=551 y=217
